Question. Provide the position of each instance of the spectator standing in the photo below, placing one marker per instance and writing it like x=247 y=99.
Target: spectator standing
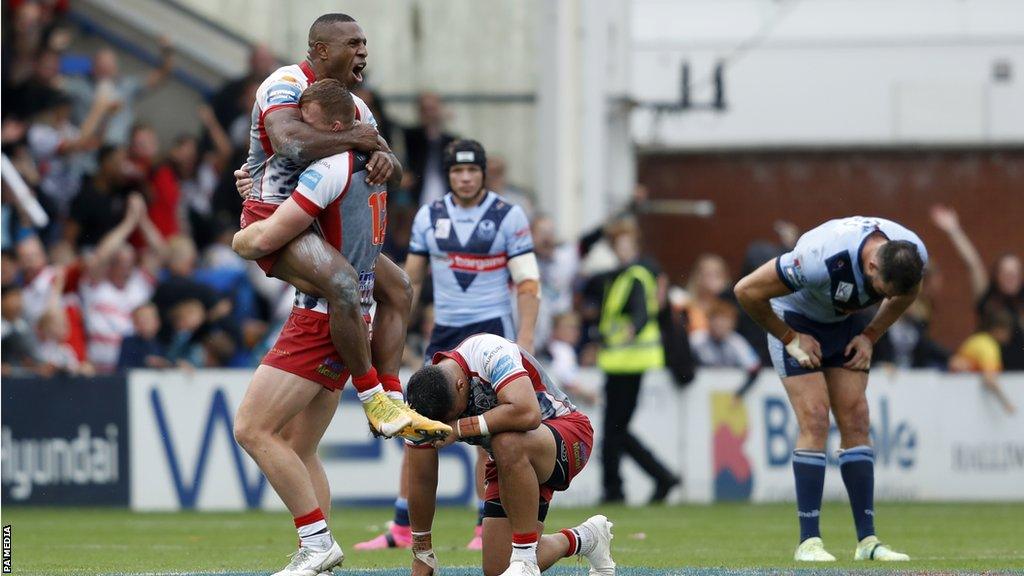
x=497 y=180
x=1003 y=289
x=101 y=204
x=113 y=285
x=631 y=345
x=424 y=149
x=107 y=83
x=559 y=265
x=56 y=146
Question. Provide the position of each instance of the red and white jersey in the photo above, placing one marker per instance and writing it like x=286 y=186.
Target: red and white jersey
x=492 y=362
x=36 y=295
x=274 y=176
x=108 y=315
x=350 y=214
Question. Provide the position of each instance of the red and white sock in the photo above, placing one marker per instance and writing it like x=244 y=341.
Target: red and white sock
x=313 y=532
x=392 y=386
x=524 y=548
x=367 y=385
x=574 y=542
x=582 y=540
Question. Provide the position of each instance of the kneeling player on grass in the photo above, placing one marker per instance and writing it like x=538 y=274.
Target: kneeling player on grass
x=495 y=395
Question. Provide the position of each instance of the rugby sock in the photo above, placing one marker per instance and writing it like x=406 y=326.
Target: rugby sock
x=584 y=538
x=392 y=385
x=313 y=532
x=857 y=466
x=809 y=471
x=367 y=385
x=574 y=542
x=524 y=548
x=401 y=512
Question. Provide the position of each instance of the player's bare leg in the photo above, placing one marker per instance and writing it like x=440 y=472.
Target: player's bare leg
x=304 y=432
x=524 y=460
x=275 y=397
x=808 y=395
x=595 y=532
x=308 y=262
x=857 y=458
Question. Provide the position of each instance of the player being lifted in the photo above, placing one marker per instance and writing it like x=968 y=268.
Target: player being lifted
x=295 y=391
x=476 y=242
x=280 y=147
x=805 y=299
x=496 y=395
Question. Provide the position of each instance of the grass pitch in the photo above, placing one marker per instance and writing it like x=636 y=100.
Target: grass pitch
x=737 y=539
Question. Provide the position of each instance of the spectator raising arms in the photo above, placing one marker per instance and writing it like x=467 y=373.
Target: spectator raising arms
x=1003 y=289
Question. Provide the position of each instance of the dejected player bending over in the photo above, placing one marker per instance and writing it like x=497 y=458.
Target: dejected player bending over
x=495 y=395
x=804 y=299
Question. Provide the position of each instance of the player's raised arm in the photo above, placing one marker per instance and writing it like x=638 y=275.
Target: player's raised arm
x=422 y=462
x=296 y=140
x=754 y=293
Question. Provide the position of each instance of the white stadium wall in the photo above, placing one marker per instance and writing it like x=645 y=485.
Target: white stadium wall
x=832 y=72
x=936 y=436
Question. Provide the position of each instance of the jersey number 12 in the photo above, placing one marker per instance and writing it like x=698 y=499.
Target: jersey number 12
x=378 y=202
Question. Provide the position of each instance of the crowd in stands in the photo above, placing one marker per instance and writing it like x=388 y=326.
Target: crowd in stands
x=116 y=250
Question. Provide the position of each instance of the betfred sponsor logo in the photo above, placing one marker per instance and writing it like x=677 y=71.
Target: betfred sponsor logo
x=474 y=263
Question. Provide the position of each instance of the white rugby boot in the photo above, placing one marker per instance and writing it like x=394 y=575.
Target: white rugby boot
x=600 y=557
x=307 y=562
x=812 y=550
x=520 y=568
x=871 y=549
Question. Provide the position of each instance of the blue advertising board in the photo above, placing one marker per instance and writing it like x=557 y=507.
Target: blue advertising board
x=65 y=441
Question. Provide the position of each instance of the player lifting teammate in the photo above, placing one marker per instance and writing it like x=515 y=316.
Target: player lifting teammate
x=280 y=147
x=805 y=300
x=293 y=395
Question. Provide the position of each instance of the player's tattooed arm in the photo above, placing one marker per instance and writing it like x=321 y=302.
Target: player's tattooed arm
x=294 y=139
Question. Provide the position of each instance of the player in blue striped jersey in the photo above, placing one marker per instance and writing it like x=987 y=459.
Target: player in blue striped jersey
x=805 y=299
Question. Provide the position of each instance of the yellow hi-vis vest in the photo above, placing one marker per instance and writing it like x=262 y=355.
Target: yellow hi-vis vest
x=619 y=355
